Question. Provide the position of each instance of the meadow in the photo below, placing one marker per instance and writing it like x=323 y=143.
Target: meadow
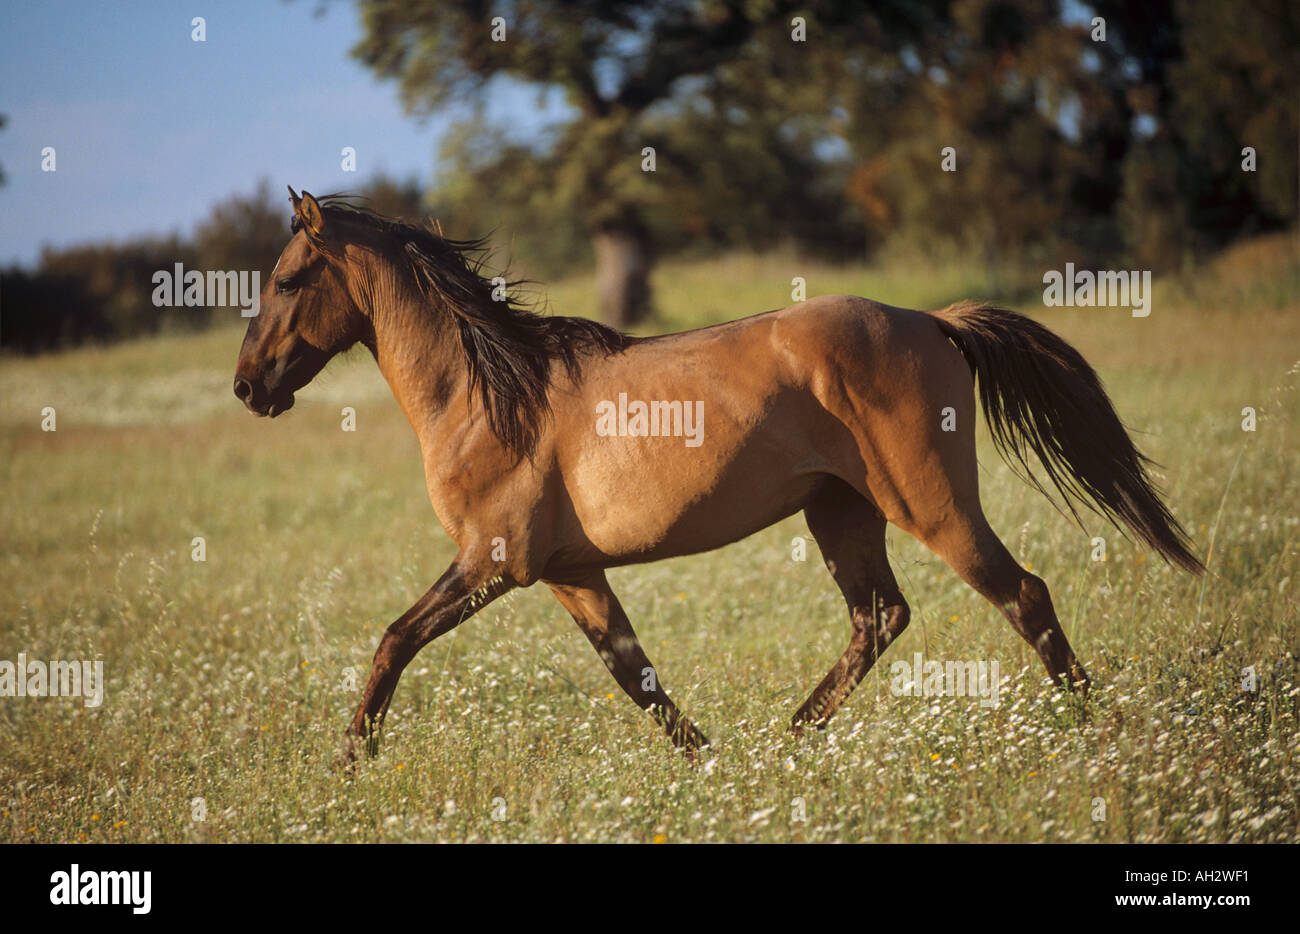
x=230 y=680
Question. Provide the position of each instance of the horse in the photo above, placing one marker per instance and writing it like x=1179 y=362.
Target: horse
x=857 y=413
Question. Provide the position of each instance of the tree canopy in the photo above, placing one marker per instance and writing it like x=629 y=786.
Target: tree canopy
x=829 y=124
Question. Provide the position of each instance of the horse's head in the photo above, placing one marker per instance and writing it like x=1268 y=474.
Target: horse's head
x=306 y=316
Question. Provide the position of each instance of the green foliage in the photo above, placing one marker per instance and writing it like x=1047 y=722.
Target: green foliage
x=96 y=292
x=1065 y=145
x=1125 y=152
x=495 y=186
x=730 y=106
x=244 y=232
x=394 y=198
x=1209 y=78
x=104 y=292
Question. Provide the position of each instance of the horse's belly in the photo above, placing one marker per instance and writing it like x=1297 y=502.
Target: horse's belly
x=648 y=502
x=745 y=446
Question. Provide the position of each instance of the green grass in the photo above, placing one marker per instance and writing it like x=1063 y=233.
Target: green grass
x=227 y=678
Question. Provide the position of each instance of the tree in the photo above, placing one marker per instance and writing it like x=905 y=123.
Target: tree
x=1208 y=80
x=672 y=85
x=996 y=129
x=244 y=232
x=393 y=198
x=44 y=311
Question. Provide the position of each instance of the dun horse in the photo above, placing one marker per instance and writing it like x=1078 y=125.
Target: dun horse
x=834 y=406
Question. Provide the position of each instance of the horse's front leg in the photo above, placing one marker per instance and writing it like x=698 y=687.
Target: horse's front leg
x=601 y=618
x=461 y=592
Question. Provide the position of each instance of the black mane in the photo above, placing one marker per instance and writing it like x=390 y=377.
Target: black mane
x=510 y=349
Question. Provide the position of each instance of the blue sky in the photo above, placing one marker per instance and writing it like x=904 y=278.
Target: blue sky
x=151 y=128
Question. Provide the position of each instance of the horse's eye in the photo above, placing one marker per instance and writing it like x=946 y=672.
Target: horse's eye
x=286 y=286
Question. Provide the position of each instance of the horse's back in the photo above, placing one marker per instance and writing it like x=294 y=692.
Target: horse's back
x=881 y=351
x=853 y=323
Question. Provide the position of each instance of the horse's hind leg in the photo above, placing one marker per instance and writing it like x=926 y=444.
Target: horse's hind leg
x=601 y=618
x=975 y=552
x=850 y=532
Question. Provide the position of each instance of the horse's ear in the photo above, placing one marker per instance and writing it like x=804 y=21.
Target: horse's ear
x=309 y=212
x=293 y=198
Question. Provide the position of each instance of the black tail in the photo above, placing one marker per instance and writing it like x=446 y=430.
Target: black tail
x=1040 y=395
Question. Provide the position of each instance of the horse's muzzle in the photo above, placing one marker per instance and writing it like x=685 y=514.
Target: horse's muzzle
x=259 y=401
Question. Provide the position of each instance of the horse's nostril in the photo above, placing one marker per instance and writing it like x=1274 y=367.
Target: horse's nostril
x=243 y=388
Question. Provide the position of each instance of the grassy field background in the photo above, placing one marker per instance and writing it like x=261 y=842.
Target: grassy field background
x=229 y=682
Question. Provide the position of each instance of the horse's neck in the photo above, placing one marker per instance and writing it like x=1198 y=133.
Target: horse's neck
x=418 y=351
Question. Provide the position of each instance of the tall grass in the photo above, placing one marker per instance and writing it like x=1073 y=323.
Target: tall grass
x=230 y=680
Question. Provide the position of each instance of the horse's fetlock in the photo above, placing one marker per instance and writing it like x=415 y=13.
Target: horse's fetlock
x=892 y=619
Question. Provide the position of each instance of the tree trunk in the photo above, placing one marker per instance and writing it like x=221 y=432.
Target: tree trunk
x=623 y=260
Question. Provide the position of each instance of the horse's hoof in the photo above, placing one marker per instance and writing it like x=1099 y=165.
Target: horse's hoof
x=803 y=725
x=346 y=760
x=688 y=738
